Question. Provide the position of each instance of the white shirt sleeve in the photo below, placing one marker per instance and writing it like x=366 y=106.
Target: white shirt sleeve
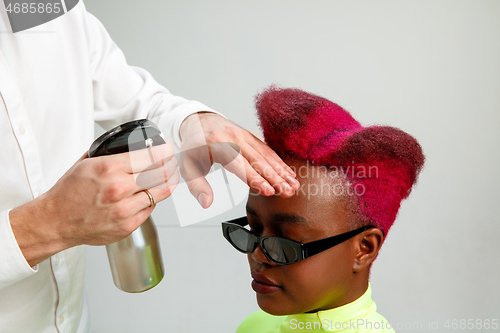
x=55 y=80
x=123 y=92
x=13 y=266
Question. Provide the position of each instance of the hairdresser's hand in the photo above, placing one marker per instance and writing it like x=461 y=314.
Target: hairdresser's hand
x=98 y=201
x=208 y=137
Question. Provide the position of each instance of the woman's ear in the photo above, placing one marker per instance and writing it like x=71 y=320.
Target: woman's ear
x=367 y=245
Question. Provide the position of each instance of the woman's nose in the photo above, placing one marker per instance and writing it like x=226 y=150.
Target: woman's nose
x=258 y=256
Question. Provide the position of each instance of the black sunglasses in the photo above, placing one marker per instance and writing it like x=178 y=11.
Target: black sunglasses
x=280 y=250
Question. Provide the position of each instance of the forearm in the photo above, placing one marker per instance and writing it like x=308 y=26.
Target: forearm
x=96 y=202
x=35 y=237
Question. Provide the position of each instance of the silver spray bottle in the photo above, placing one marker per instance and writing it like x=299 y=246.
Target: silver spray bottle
x=135 y=261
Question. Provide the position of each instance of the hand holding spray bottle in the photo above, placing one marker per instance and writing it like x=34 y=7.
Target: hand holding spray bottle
x=136 y=262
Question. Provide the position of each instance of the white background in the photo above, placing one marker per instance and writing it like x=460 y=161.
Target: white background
x=429 y=67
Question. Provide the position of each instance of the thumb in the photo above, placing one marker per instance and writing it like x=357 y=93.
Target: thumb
x=201 y=190
x=84 y=156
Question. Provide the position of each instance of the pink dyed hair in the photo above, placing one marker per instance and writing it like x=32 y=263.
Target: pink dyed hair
x=303 y=126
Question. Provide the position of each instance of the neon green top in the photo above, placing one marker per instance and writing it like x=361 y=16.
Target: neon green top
x=359 y=316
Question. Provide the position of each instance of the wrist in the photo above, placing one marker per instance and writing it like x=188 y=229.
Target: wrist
x=194 y=119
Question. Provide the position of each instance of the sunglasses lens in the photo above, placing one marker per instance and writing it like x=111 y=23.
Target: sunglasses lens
x=241 y=239
x=280 y=250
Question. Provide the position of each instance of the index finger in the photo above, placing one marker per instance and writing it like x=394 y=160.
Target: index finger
x=140 y=160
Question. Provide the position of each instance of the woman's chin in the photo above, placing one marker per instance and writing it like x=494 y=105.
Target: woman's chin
x=273 y=306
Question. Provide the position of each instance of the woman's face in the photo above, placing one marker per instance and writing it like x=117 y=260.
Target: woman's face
x=320 y=282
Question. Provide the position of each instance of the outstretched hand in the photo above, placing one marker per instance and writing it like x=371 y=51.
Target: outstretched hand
x=209 y=138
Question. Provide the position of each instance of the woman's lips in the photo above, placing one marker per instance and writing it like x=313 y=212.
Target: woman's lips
x=262 y=285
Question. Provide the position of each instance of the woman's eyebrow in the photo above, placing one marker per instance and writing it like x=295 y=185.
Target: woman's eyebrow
x=290 y=218
x=251 y=211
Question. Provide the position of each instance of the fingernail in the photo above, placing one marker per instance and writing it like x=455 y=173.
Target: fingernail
x=286 y=188
x=291 y=180
x=268 y=188
x=202 y=199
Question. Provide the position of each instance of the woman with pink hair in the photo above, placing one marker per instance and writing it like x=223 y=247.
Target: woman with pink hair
x=310 y=255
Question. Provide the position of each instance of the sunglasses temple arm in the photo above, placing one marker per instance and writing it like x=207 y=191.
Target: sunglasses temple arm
x=315 y=247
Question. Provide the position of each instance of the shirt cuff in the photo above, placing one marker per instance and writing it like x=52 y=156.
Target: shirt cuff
x=169 y=119
x=185 y=111
x=13 y=265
